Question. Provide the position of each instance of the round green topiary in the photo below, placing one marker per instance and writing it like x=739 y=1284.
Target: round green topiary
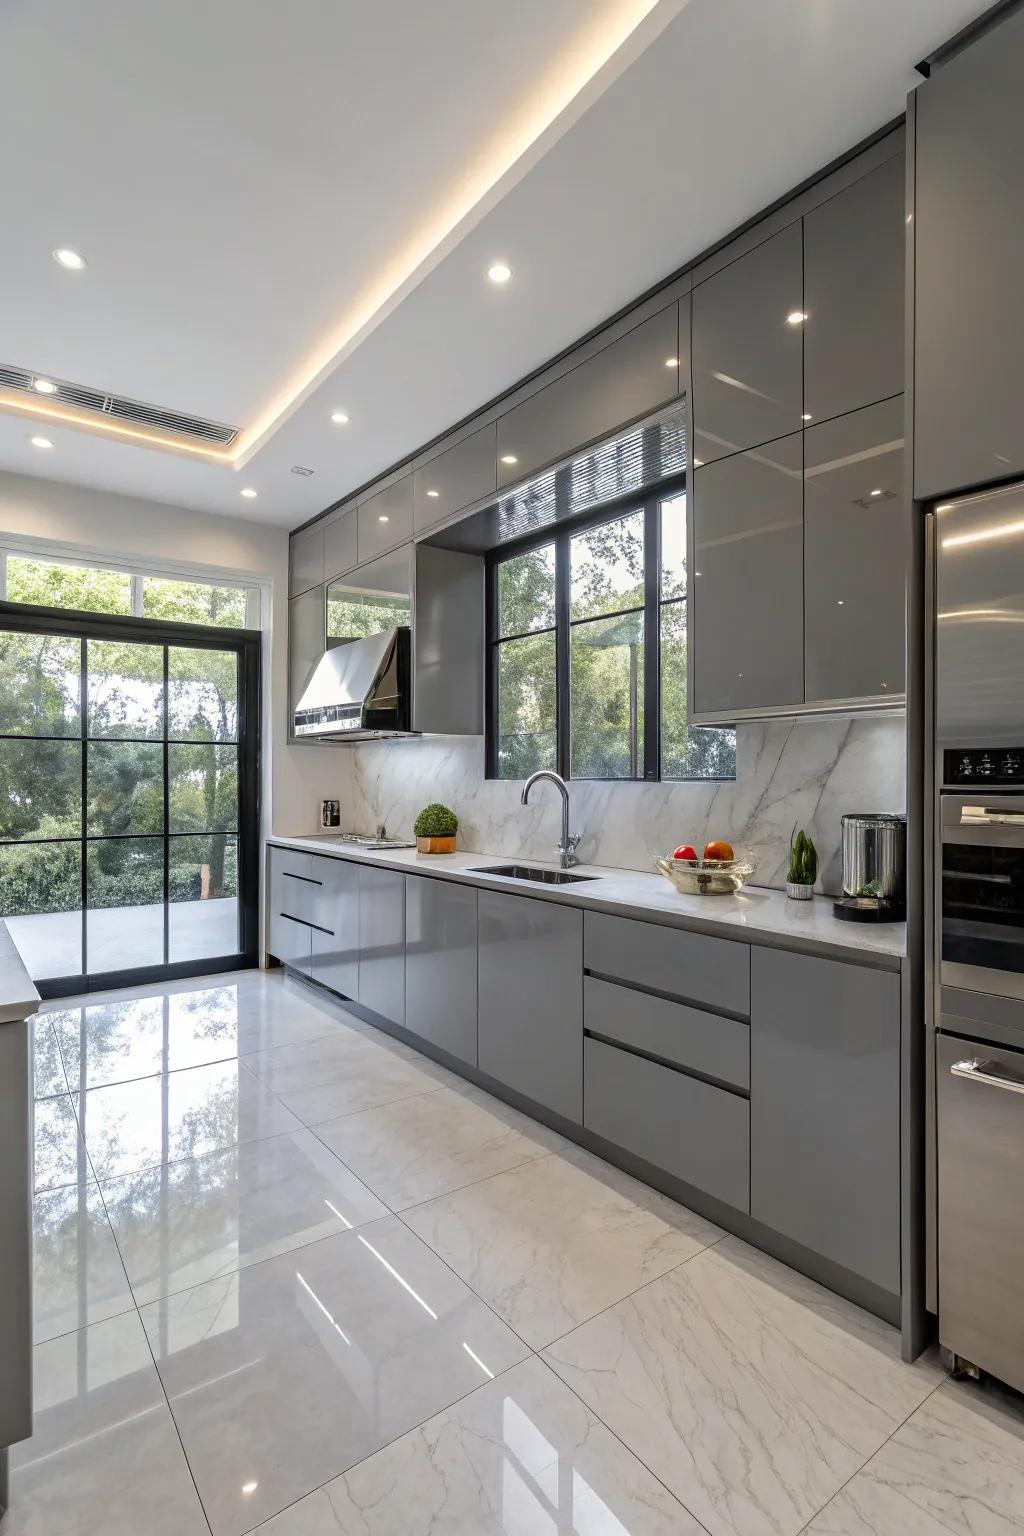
x=436 y=821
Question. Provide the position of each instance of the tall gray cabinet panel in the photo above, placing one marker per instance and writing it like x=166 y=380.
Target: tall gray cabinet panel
x=306 y=559
x=824 y=1109
x=455 y=478
x=853 y=294
x=854 y=570
x=969 y=301
x=382 y=942
x=306 y=627
x=385 y=520
x=530 y=1029
x=340 y=553
x=747 y=592
x=440 y=964
x=335 y=942
x=747 y=359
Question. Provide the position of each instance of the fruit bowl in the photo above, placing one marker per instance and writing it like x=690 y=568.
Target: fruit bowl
x=706 y=877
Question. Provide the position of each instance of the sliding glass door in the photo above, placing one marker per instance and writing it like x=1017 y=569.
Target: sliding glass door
x=129 y=773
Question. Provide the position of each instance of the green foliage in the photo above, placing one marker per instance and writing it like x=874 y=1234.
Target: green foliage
x=193 y=602
x=353 y=618
x=803 y=860
x=68 y=586
x=436 y=821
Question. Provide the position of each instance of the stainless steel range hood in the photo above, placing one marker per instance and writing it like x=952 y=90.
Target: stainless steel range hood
x=360 y=689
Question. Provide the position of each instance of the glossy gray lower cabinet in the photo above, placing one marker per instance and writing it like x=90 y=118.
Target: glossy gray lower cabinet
x=705 y=1043
x=969 y=234
x=625 y=380
x=747 y=602
x=305 y=559
x=455 y=478
x=698 y=1133
x=694 y=967
x=382 y=942
x=440 y=964
x=385 y=520
x=825 y=1109
x=854 y=542
x=747 y=358
x=530 y=1028
x=340 y=548
x=335 y=941
x=306 y=630
x=854 y=281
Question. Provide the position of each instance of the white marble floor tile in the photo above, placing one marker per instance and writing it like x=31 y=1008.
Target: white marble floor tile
x=750 y=1391
x=414 y=1149
x=48 y=1072
x=275 y=1009
x=132 y=1126
x=78 y=1274
x=521 y=1456
x=286 y=1374
x=121 y=1040
x=59 y=1150
x=187 y=1222
x=105 y=1456
x=955 y=1468
x=333 y=1076
x=555 y=1241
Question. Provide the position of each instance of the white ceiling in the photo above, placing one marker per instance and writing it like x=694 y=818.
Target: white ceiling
x=244 y=177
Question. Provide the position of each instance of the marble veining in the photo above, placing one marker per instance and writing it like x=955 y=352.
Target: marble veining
x=789 y=772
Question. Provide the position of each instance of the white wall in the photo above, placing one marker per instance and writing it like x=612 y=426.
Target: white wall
x=69 y=520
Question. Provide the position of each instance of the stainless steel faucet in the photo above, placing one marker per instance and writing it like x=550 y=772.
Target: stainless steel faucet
x=567 y=847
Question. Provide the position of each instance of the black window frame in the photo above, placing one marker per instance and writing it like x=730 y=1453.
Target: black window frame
x=559 y=534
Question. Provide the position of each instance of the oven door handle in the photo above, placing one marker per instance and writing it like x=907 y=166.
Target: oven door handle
x=988 y=1072
x=985 y=817
x=986 y=834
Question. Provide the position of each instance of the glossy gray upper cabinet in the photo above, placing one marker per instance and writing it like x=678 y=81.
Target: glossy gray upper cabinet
x=825 y=1109
x=306 y=559
x=340 y=551
x=449 y=643
x=385 y=521
x=531 y=999
x=631 y=376
x=747 y=357
x=747 y=632
x=969 y=301
x=440 y=964
x=456 y=478
x=855 y=538
x=854 y=295
x=306 y=629
x=382 y=942
x=335 y=914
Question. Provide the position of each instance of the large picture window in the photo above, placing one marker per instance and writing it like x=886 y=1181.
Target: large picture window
x=587 y=638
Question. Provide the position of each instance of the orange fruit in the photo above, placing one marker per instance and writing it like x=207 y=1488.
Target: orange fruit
x=718 y=849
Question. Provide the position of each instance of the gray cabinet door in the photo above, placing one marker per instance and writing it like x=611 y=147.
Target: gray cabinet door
x=385 y=521
x=747 y=358
x=456 y=478
x=824 y=1109
x=629 y=377
x=747 y=599
x=531 y=999
x=335 y=943
x=969 y=223
x=382 y=942
x=340 y=553
x=854 y=542
x=449 y=642
x=305 y=560
x=306 y=627
x=440 y=964
x=854 y=295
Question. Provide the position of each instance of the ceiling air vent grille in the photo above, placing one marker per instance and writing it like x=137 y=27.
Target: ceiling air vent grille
x=119 y=407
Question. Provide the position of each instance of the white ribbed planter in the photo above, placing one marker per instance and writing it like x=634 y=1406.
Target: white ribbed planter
x=796 y=891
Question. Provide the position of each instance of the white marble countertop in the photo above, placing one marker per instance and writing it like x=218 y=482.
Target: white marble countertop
x=756 y=914
x=18 y=997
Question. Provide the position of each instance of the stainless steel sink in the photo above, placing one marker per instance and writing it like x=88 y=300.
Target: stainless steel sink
x=540 y=876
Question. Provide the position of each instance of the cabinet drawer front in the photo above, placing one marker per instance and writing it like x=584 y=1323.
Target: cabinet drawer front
x=294 y=885
x=688 y=1128
x=694 y=967
x=291 y=941
x=699 y=1042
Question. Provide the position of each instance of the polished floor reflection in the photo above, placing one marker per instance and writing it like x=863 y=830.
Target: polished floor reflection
x=292 y=1275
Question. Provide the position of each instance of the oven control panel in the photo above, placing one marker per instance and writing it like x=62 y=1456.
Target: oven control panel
x=983 y=765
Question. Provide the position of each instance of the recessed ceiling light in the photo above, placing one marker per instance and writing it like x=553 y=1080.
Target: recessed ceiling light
x=44 y=386
x=250 y=1487
x=340 y=418
x=796 y=317
x=433 y=493
x=383 y=518
x=509 y=458
x=878 y=492
x=64 y=256
x=499 y=272
x=40 y=442
x=248 y=492
x=671 y=362
x=806 y=416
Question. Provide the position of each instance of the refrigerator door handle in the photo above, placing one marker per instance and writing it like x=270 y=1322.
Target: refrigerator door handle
x=988 y=1072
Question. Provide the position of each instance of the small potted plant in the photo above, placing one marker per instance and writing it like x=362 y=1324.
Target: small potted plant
x=435 y=829
x=803 y=867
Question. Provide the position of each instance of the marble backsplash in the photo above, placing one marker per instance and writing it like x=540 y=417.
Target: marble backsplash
x=806 y=771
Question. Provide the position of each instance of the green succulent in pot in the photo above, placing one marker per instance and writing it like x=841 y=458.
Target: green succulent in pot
x=803 y=867
x=435 y=828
